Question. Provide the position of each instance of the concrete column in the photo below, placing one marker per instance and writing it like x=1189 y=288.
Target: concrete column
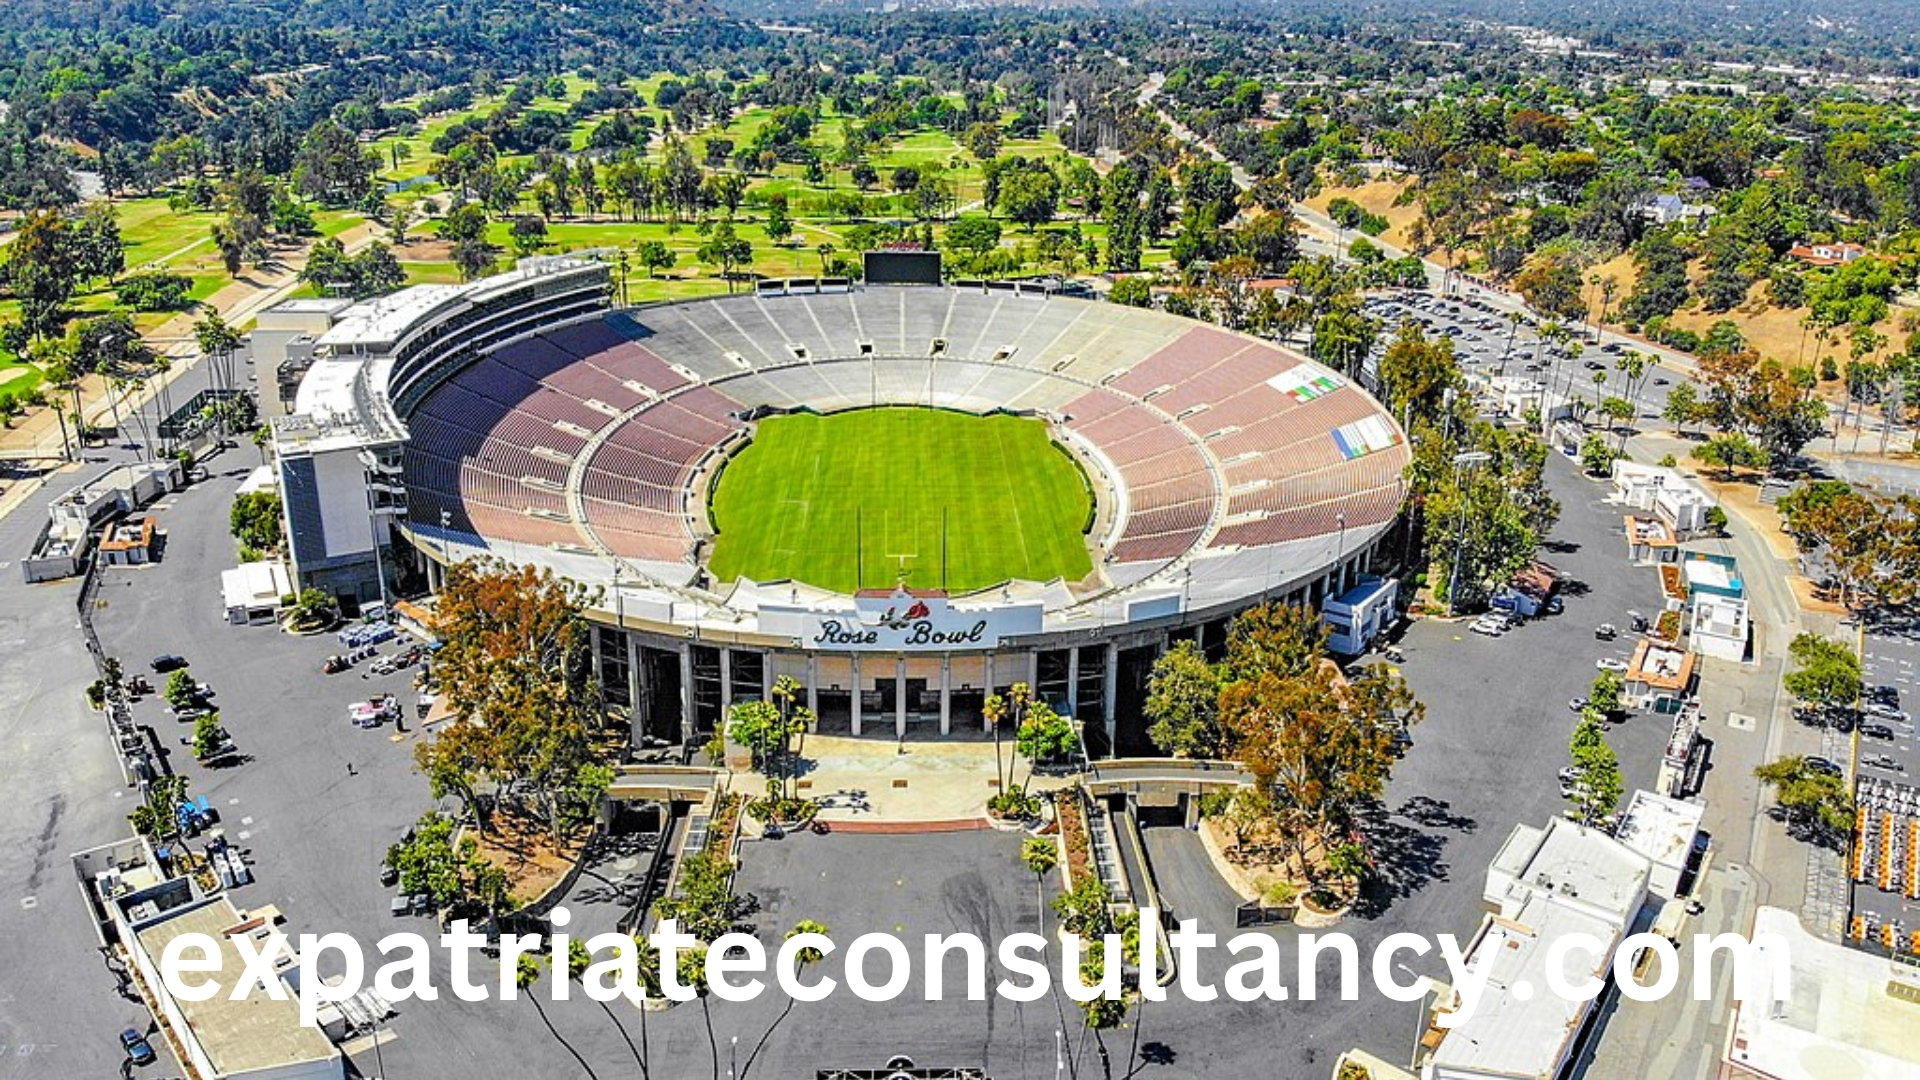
x=766 y=676
x=986 y=725
x=1073 y=681
x=633 y=683
x=899 y=697
x=1110 y=690
x=726 y=681
x=857 y=689
x=813 y=689
x=686 y=692
x=1033 y=670
x=946 y=695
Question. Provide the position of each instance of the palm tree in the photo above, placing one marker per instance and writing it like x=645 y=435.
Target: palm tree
x=825 y=251
x=161 y=367
x=1040 y=855
x=217 y=340
x=525 y=975
x=805 y=957
x=693 y=973
x=131 y=386
x=55 y=360
x=1102 y=1013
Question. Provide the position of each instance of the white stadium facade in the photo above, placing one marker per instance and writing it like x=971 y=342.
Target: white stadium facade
x=524 y=417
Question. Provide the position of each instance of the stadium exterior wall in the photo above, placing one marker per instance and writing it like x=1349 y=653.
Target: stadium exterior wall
x=674 y=654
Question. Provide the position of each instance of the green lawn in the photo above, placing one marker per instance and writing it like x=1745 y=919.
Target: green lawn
x=792 y=504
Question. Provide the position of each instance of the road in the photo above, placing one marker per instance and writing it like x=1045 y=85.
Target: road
x=1441 y=278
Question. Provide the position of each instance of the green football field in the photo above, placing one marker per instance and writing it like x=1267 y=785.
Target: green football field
x=859 y=498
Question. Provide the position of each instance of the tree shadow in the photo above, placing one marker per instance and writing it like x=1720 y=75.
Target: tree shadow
x=1158 y=1053
x=1404 y=858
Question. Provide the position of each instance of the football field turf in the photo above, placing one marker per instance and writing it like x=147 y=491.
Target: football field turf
x=858 y=498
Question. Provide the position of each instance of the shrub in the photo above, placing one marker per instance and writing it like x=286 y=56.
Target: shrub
x=156 y=291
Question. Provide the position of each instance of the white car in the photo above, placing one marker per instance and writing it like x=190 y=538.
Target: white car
x=1610 y=664
x=1489 y=627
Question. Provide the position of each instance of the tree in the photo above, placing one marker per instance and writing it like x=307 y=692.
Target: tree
x=1552 y=284
x=1030 y=196
x=1730 y=452
x=474 y=258
x=804 y=957
x=333 y=166
x=1271 y=240
x=1596 y=457
x=1824 y=671
x=157 y=817
x=98 y=250
x=1132 y=292
x=1816 y=797
x=656 y=256
x=1183 y=701
x=779 y=224
x=1319 y=745
x=41 y=271
x=242 y=239
x=208 y=736
x=516 y=667
x=1044 y=736
x=973 y=237
x=529 y=234
x=255 y=520
x=1596 y=793
x=726 y=250
x=155 y=291
x=995 y=709
x=310 y=609
x=1683 y=404
x=1483 y=520
x=1606 y=691
x=182 y=689
x=1418 y=374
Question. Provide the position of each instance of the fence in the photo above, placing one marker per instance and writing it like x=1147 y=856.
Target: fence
x=1255 y=913
x=128 y=744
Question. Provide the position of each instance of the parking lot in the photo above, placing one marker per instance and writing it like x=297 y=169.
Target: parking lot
x=1488 y=343
x=1887 y=757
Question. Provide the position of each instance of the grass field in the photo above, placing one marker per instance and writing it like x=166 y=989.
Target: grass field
x=792 y=504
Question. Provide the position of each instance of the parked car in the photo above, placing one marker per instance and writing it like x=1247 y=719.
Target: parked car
x=138 y=1050
x=1611 y=664
x=1882 y=761
x=1578 y=704
x=1606 y=631
x=1488 y=627
x=1876 y=731
x=335 y=664
x=389 y=876
x=166 y=662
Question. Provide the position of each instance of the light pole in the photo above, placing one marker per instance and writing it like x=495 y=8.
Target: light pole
x=1461 y=462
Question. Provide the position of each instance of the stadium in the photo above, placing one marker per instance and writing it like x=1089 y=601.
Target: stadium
x=904 y=496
